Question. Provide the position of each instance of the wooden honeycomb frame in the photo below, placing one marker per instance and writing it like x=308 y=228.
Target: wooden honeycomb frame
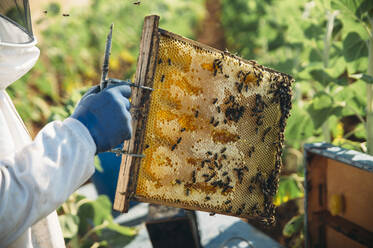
x=145 y=75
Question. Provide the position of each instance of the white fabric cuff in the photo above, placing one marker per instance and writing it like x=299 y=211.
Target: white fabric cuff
x=79 y=128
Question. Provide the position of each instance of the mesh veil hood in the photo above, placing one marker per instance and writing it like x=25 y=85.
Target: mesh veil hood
x=15 y=22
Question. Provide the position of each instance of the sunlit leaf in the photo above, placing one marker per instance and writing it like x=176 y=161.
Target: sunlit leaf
x=360 y=131
x=352 y=99
x=113 y=238
x=94 y=213
x=98 y=164
x=288 y=189
x=321 y=108
x=299 y=127
x=354 y=8
x=127 y=231
x=69 y=225
x=347 y=144
x=294 y=226
x=338 y=130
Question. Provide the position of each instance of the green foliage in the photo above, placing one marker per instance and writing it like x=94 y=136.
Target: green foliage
x=69 y=224
x=294 y=226
x=72 y=49
x=295 y=229
x=324 y=45
x=87 y=223
x=290 y=187
x=354 y=47
x=292 y=36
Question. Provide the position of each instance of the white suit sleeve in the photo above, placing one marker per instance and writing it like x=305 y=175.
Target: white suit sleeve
x=40 y=177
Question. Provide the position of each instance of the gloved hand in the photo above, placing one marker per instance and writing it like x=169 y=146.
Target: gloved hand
x=106 y=115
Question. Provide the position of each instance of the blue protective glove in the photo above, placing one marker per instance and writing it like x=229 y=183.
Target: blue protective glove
x=106 y=115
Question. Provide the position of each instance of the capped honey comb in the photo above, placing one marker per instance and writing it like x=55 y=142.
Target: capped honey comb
x=212 y=135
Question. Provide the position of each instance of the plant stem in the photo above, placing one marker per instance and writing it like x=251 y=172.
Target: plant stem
x=328 y=37
x=369 y=123
x=93 y=230
x=326 y=131
x=327 y=43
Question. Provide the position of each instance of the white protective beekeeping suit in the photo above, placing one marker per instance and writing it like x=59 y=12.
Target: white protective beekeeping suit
x=35 y=176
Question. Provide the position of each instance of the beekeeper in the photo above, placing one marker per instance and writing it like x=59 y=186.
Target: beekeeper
x=37 y=176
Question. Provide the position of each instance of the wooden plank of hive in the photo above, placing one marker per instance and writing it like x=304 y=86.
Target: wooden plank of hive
x=337 y=203
x=144 y=76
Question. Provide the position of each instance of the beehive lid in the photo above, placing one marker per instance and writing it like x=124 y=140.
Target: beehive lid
x=211 y=131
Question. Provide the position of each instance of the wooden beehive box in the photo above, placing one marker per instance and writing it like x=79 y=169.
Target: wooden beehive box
x=339 y=197
x=211 y=132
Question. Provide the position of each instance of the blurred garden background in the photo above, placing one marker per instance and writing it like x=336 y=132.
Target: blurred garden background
x=327 y=45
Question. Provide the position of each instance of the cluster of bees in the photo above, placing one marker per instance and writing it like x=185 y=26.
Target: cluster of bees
x=233 y=111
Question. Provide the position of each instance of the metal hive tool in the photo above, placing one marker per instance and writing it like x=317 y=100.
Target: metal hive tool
x=211 y=131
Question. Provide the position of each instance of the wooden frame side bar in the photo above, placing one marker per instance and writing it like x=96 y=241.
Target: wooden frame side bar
x=146 y=64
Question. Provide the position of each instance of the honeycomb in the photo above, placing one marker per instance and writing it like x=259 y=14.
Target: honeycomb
x=214 y=132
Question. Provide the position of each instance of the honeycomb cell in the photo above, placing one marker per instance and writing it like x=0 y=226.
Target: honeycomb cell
x=214 y=131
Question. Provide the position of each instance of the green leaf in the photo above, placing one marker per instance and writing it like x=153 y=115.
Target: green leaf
x=347 y=144
x=294 y=226
x=360 y=131
x=352 y=98
x=336 y=126
x=353 y=25
x=288 y=189
x=277 y=42
x=337 y=63
x=314 y=32
x=321 y=108
x=116 y=239
x=319 y=116
x=322 y=100
x=356 y=8
x=94 y=213
x=69 y=225
x=98 y=164
x=315 y=55
x=284 y=66
x=354 y=47
x=127 y=231
x=299 y=127
x=321 y=76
